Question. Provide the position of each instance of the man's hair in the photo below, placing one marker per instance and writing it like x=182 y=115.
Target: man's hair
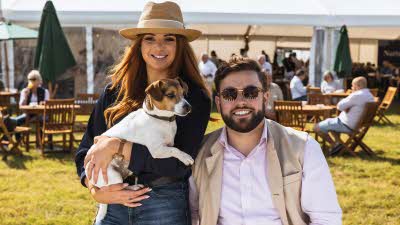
x=237 y=64
x=361 y=82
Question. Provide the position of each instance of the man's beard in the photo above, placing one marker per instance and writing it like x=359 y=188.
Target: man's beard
x=244 y=125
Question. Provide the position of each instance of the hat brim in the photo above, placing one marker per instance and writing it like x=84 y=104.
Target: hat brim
x=132 y=33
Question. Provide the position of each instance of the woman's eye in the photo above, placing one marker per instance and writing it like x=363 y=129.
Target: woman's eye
x=148 y=38
x=170 y=39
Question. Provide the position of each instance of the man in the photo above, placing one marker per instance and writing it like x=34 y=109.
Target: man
x=297 y=88
x=275 y=94
x=207 y=70
x=352 y=108
x=265 y=66
x=255 y=171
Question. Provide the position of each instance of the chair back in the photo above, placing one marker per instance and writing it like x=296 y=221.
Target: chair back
x=86 y=102
x=59 y=114
x=374 y=91
x=3 y=128
x=290 y=114
x=367 y=117
x=317 y=98
x=388 y=99
x=313 y=90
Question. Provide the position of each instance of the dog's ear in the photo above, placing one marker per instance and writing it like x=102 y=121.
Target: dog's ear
x=154 y=90
x=183 y=85
x=149 y=104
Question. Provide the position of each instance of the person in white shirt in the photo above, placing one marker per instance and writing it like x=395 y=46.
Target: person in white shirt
x=33 y=94
x=275 y=94
x=298 y=90
x=265 y=66
x=352 y=107
x=329 y=85
x=238 y=178
x=207 y=70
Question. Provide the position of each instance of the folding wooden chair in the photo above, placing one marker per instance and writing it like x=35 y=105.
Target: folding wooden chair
x=58 y=118
x=87 y=103
x=314 y=90
x=385 y=104
x=318 y=98
x=356 y=136
x=9 y=143
x=290 y=114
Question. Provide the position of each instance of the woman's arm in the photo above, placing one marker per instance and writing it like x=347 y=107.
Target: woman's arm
x=190 y=132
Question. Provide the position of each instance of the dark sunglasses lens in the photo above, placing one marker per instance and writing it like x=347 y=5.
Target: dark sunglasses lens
x=250 y=92
x=229 y=94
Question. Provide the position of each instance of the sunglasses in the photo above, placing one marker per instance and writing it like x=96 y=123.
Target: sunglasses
x=32 y=79
x=249 y=93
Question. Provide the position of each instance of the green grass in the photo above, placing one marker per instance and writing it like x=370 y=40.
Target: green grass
x=46 y=190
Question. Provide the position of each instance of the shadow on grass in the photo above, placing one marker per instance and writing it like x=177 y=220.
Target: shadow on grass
x=17 y=162
x=378 y=157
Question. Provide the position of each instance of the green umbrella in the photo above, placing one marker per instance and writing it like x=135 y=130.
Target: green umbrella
x=343 y=63
x=53 y=55
x=9 y=31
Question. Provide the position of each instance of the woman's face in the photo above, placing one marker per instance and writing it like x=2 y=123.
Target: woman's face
x=158 y=51
x=329 y=78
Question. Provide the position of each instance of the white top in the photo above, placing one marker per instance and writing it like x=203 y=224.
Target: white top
x=207 y=68
x=246 y=197
x=275 y=93
x=329 y=87
x=24 y=95
x=353 y=105
x=267 y=67
x=297 y=88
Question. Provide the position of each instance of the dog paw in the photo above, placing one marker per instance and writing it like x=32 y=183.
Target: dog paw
x=186 y=159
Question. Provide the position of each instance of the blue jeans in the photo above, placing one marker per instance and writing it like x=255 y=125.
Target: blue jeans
x=333 y=124
x=167 y=205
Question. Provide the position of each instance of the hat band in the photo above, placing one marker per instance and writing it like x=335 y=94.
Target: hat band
x=160 y=23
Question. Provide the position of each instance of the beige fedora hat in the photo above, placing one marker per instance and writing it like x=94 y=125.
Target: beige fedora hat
x=163 y=17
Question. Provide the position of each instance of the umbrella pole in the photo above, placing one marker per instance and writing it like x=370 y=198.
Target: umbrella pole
x=6 y=66
x=52 y=91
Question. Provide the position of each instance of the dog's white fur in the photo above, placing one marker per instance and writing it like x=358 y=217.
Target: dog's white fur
x=157 y=135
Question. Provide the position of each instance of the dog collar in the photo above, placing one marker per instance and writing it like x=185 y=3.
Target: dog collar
x=165 y=118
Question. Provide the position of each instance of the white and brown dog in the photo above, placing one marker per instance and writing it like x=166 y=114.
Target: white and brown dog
x=153 y=126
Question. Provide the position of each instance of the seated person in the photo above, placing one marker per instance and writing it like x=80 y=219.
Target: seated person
x=275 y=94
x=329 y=85
x=298 y=90
x=352 y=107
x=33 y=94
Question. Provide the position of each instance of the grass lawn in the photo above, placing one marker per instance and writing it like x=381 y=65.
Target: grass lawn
x=46 y=190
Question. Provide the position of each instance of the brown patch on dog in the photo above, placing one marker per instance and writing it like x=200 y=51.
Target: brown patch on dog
x=183 y=85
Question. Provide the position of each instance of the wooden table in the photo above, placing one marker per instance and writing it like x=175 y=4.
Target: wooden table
x=338 y=94
x=36 y=111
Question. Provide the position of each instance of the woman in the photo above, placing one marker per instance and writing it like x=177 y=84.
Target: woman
x=33 y=94
x=160 y=49
x=329 y=85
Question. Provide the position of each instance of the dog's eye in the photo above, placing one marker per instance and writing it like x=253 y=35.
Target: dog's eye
x=170 y=95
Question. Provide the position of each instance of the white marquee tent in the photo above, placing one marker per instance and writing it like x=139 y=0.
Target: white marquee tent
x=270 y=23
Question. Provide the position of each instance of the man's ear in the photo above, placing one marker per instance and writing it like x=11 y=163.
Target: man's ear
x=183 y=85
x=217 y=103
x=154 y=90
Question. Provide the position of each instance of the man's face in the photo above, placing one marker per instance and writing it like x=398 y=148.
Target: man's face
x=354 y=86
x=204 y=58
x=261 y=60
x=242 y=114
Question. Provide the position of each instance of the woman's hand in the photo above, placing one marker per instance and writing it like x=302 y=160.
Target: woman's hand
x=115 y=194
x=100 y=156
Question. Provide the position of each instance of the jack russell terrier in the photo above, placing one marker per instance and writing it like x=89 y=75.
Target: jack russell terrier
x=154 y=126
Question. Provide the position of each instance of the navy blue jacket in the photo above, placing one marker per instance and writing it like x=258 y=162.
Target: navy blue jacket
x=190 y=132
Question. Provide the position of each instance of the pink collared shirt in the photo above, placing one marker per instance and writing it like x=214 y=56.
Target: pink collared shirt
x=246 y=197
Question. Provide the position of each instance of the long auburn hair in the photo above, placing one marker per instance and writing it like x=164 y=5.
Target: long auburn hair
x=129 y=77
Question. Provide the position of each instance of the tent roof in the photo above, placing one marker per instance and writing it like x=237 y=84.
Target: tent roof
x=272 y=17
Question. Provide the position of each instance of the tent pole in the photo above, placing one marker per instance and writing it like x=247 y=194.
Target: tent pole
x=6 y=66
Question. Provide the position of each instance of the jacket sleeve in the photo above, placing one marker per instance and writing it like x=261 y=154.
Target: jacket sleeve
x=190 y=132
x=96 y=126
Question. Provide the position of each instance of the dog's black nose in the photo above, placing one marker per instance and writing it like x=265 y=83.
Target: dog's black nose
x=187 y=107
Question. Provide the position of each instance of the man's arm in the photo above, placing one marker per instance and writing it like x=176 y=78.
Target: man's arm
x=346 y=103
x=318 y=194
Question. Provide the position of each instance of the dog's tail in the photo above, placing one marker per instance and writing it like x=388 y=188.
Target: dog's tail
x=101 y=213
